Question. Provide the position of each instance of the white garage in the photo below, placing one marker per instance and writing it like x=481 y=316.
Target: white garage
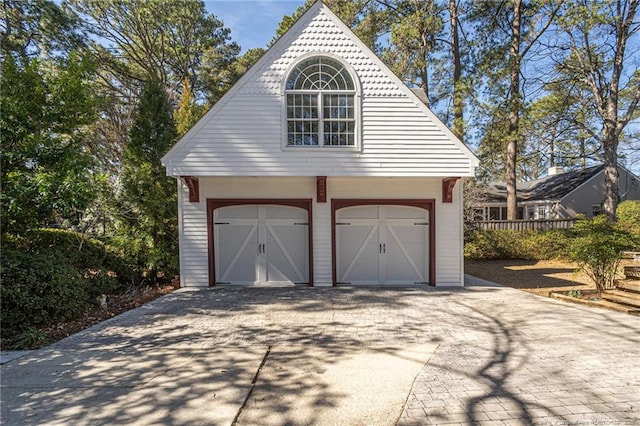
x=320 y=167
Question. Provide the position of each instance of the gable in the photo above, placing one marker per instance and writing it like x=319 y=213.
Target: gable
x=244 y=133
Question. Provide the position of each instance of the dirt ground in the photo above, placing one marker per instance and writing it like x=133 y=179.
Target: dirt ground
x=538 y=277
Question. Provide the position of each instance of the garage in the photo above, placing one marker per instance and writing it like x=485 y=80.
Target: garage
x=260 y=244
x=382 y=244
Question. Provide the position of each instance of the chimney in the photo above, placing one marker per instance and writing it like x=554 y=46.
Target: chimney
x=555 y=170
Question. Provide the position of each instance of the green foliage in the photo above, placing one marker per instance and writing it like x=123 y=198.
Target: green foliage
x=597 y=248
x=628 y=214
x=149 y=194
x=45 y=174
x=54 y=275
x=38 y=28
x=574 y=293
x=29 y=338
x=39 y=288
x=529 y=245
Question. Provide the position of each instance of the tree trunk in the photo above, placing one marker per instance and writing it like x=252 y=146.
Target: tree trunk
x=610 y=146
x=514 y=112
x=458 y=102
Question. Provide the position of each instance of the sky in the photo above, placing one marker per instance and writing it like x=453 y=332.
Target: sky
x=253 y=23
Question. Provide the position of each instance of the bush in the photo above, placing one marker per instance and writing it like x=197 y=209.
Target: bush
x=597 y=248
x=54 y=275
x=527 y=245
x=39 y=288
x=628 y=214
x=90 y=256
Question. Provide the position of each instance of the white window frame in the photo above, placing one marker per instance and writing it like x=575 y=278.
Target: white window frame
x=356 y=108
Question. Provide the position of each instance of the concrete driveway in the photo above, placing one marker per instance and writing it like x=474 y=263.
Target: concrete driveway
x=263 y=356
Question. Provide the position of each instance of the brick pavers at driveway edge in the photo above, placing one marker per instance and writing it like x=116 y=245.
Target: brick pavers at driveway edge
x=523 y=359
x=500 y=356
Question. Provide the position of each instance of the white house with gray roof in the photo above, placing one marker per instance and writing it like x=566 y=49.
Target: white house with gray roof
x=559 y=195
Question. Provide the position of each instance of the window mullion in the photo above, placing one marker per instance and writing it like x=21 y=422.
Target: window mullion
x=320 y=119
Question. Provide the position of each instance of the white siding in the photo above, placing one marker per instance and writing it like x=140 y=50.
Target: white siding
x=402 y=143
x=193 y=238
x=243 y=134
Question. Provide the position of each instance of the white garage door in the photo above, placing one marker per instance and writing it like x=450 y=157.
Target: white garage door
x=382 y=245
x=261 y=245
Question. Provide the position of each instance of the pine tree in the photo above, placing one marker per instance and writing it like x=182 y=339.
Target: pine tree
x=151 y=195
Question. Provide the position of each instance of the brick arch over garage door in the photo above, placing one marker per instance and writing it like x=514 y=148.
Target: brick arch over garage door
x=425 y=204
x=214 y=204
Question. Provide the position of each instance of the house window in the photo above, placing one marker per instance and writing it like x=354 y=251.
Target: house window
x=494 y=213
x=320 y=96
x=542 y=212
x=531 y=213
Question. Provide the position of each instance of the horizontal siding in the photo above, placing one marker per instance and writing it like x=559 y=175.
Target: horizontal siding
x=194 y=267
x=193 y=237
x=245 y=139
x=322 y=260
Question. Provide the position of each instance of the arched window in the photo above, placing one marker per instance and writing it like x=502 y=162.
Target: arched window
x=320 y=104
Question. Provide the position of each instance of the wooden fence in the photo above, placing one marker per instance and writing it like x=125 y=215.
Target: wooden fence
x=523 y=225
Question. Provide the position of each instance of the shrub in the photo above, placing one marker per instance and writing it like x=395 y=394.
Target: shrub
x=90 y=256
x=39 y=288
x=526 y=245
x=628 y=214
x=597 y=248
x=55 y=275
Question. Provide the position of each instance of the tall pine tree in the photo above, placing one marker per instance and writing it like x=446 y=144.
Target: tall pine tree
x=149 y=194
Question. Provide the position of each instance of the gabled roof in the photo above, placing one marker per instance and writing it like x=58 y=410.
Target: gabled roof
x=554 y=187
x=218 y=143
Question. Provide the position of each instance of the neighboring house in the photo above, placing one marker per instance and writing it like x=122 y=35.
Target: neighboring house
x=320 y=167
x=559 y=195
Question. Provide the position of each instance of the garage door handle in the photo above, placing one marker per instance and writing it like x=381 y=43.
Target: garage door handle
x=383 y=248
x=262 y=248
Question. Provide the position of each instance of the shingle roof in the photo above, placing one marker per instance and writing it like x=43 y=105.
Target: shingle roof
x=552 y=187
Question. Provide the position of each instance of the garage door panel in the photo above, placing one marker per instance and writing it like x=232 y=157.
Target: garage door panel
x=382 y=245
x=261 y=244
x=359 y=212
x=358 y=256
x=404 y=212
x=405 y=253
x=237 y=248
x=285 y=212
x=237 y=212
x=286 y=261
